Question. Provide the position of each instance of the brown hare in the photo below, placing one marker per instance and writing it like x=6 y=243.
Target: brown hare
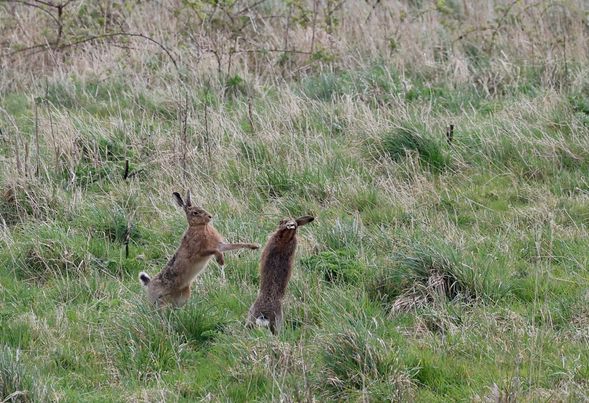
x=199 y=244
x=275 y=271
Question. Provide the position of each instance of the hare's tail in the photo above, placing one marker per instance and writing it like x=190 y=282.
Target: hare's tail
x=262 y=321
x=144 y=278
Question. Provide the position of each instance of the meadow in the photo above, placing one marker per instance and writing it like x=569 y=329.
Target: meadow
x=443 y=147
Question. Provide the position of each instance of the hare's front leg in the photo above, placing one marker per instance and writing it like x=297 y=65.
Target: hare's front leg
x=219 y=258
x=225 y=247
x=218 y=255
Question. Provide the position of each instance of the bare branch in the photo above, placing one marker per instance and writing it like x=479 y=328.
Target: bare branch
x=26 y=3
x=44 y=47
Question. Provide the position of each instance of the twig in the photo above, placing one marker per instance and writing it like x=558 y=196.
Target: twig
x=450 y=134
x=315 y=11
x=500 y=25
x=249 y=7
x=376 y=3
x=232 y=51
x=127 y=238
x=286 y=60
x=263 y=50
x=207 y=132
x=184 y=136
x=250 y=114
x=44 y=47
x=56 y=148
x=137 y=172
x=59 y=23
x=17 y=153
x=26 y=164
x=35 y=6
x=126 y=173
x=37 y=157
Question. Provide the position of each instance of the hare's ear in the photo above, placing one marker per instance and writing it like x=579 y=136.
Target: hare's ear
x=283 y=221
x=188 y=198
x=306 y=219
x=178 y=199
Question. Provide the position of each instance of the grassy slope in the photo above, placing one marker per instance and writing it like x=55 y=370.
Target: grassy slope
x=433 y=272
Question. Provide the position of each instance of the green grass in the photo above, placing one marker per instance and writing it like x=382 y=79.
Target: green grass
x=413 y=138
x=434 y=271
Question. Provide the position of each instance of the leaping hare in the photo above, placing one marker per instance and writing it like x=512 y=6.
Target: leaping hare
x=275 y=271
x=200 y=242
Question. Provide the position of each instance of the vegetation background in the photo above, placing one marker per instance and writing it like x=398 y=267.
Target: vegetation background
x=442 y=145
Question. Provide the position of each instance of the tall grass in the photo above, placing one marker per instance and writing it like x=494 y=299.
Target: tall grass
x=437 y=269
x=17 y=384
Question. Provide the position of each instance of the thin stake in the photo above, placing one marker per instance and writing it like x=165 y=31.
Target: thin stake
x=450 y=134
x=207 y=132
x=26 y=164
x=37 y=156
x=314 y=24
x=184 y=136
x=126 y=173
x=127 y=238
x=55 y=146
x=250 y=114
x=17 y=153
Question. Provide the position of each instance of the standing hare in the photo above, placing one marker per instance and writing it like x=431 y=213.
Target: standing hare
x=200 y=242
x=275 y=271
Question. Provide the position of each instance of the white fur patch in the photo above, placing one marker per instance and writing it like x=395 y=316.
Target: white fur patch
x=144 y=278
x=291 y=225
x=261 y=321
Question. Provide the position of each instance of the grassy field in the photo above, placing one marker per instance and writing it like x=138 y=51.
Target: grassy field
x=436 y=270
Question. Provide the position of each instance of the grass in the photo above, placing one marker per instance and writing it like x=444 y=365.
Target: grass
x=17 y=382
x=413 y=139
x=435 y=270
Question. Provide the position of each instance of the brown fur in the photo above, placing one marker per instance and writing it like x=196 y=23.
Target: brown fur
x=275 y=272
x=199 y=244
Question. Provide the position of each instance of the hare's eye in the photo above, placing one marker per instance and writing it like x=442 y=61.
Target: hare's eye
x=194 y=213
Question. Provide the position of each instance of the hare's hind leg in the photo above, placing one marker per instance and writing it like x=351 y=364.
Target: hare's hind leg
x=267 y=317
x=180 y=298
x=276 y=324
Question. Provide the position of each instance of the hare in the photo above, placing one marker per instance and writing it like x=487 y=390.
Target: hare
x=199 y=244
x=275 y=271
